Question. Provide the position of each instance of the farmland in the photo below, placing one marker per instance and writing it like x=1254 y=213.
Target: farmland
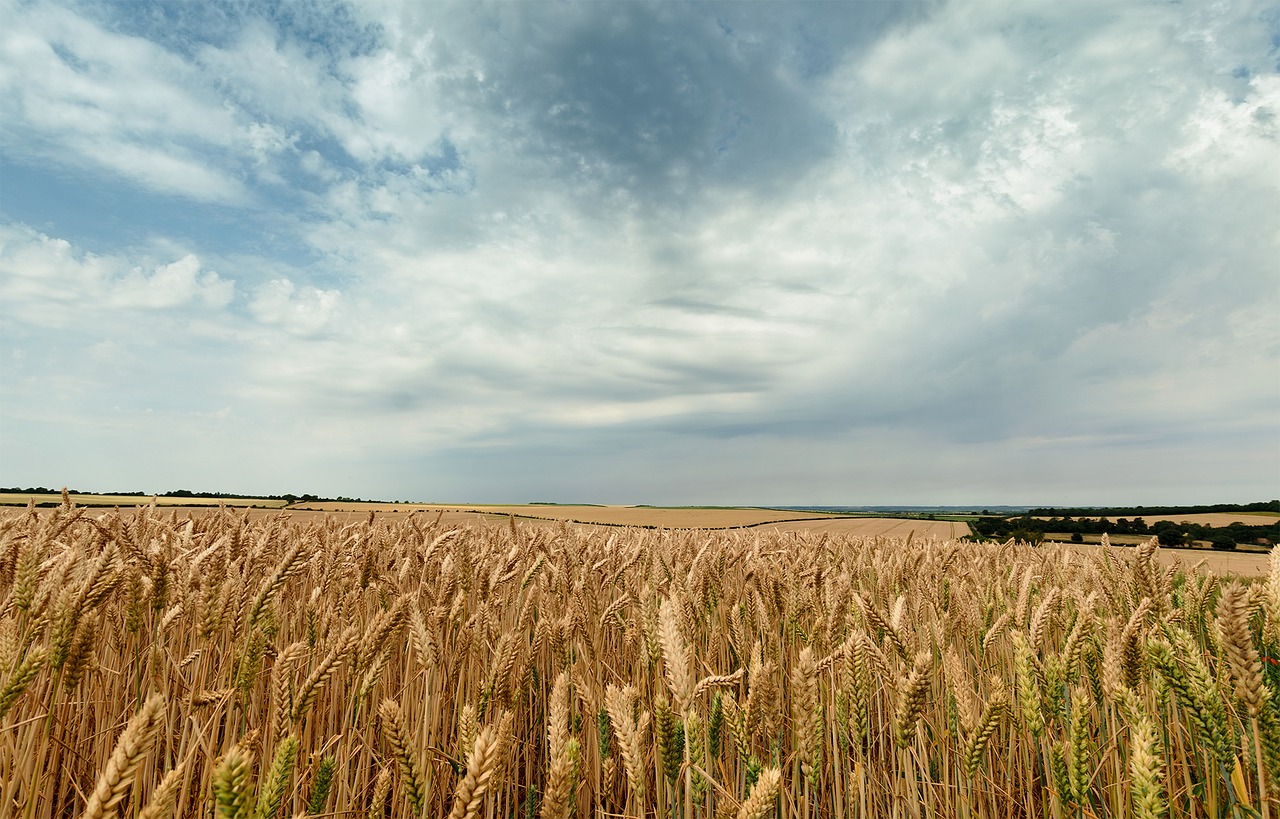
x=242 y=663
x=84 y=499
x=676 y=517
x=642 y=516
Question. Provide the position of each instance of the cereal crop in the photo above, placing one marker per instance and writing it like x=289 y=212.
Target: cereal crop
x=247 y=667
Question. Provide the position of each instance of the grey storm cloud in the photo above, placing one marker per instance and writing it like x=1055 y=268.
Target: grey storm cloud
x=657 y=100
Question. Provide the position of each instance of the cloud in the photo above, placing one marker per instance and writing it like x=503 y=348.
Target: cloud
x=647 y=102
x=48 y=282
x=73 y=91
x=777 y=247
x=940 y=264
x=306 y=313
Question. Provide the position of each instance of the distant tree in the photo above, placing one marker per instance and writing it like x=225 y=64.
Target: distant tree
x=1170 y=537
x=1222 y=542
x=1076 y=537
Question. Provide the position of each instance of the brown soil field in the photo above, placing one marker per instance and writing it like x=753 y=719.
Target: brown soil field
x=1212 y=518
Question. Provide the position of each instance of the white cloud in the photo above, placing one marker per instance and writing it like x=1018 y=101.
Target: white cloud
x=305 y=312
x=48 y=282
x=1233 y=140
x=76 y=93
x=172 y=285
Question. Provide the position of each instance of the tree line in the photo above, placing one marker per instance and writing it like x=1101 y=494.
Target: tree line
x=1033 y=529
x=1149 y=511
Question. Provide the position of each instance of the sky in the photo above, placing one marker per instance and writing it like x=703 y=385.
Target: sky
x=846 y=253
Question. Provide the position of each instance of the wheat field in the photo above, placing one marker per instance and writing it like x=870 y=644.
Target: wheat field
x=232 y=666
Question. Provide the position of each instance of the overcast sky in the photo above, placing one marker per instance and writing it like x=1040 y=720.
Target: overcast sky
x=668 y=253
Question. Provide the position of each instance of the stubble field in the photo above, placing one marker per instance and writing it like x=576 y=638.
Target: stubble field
x=674 y=518
x=236 y=664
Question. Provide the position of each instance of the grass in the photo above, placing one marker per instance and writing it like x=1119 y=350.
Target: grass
x=224 y=665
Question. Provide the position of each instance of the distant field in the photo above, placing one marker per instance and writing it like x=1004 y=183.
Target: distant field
x=22 y=498
x=1245 y=564
x=877 y=527
x=662 y=517
x=1116 y=540
x=551 y=515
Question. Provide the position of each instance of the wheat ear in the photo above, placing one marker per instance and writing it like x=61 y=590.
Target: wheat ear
x=397 y=735
x=161 y=804
x=471 y=790
x=20 y=679
x=231 y=792
x=1237 y=642
x=278 y=776
x=676 y=656
x=619 y=703
x=760 y=803
x=911 y=699
x=558 y=801
x=1145 y=771
x=122 y=767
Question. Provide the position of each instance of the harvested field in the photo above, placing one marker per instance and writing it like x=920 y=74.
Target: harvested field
x=1243 y=564
x=1220 y=518
x=1115 y=540
x=650 y=516
x=239 y=664
x=22 y=498
x=594 y=516
x=878 y=527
